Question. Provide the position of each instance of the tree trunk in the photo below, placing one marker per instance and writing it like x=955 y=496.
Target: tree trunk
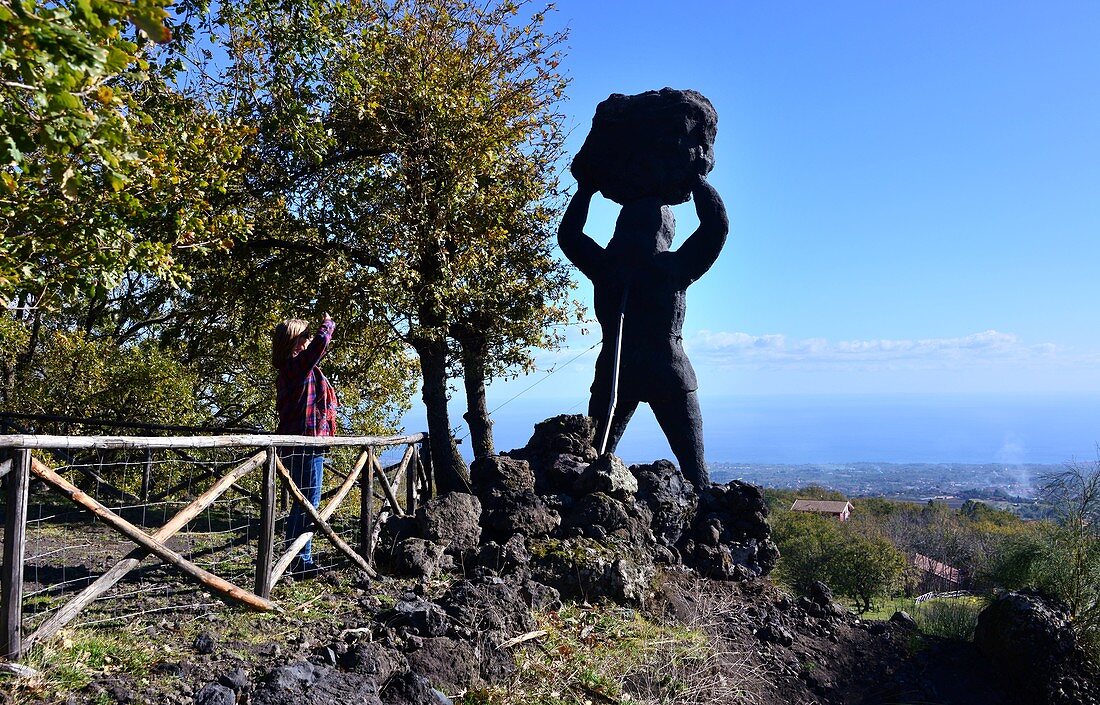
x=475 y=350
x=27 y=358
x=450 y=470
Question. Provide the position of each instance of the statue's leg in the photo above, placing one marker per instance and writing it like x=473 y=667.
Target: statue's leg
x=682 y=423
x=624 y=409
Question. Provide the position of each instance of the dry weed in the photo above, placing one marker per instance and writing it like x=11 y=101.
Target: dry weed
x=606 y=654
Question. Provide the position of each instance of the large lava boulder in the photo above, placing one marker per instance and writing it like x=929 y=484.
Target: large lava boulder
x=489 y=607
x=500 y=472
x=559 y=451
x=730 y=538
x=669 y=496
x=1030 y=640
x=451 y=520
x=651 y=145
x=612 y=568
x=607 y=474
x=506 y=488
x=507 y=514
x=600 y=516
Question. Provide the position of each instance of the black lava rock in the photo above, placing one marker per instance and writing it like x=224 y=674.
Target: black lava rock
x=654 y=144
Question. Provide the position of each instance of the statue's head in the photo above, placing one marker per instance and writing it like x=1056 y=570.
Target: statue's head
x=644 y=227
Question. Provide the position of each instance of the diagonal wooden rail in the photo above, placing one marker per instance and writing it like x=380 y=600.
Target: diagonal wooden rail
x=295 y=546
x=133 y=559
x=208 y=580
x=391 y=490
x=320 y=523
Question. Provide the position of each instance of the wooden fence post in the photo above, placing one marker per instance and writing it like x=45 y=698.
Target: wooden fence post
x=147 y=476
x=267 y=528
x=15 y=538
x=366 y=509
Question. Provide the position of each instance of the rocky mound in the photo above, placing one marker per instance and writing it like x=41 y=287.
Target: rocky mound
x=552 y=516
x=1030 y=640
x=587 y=526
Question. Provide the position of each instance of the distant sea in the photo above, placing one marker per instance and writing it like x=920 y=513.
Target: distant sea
x=789 y=429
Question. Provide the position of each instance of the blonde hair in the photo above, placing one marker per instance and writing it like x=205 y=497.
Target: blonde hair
x=283 y=337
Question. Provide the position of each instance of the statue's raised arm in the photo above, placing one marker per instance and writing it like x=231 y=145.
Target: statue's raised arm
x=699 y=251
x=579 y=248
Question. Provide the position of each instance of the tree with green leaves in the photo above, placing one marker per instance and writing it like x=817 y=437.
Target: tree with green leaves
x=866 y=567
x=80 y=375
x=412 y=144
x=392 y=162
x=807 y=545
x=104 y=169
x=112 y=181
x=850 y=557
x=516 y=299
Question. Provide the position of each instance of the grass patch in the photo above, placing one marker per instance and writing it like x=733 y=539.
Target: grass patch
x=947 y=617
x=606 y=654
x=72 y=660
x=950 y=618
x=310 y=602
x=887 y=609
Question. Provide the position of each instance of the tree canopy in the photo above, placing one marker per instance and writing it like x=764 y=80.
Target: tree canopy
x=413 y=147
x=104 y=168
x=393 y=162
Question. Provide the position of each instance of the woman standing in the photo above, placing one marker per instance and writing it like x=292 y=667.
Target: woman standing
x=307 y=404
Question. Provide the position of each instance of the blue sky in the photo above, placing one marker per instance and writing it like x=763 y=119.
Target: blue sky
x=913 y=189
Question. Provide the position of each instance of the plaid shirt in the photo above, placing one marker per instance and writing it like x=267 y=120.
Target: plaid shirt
x=303 y=396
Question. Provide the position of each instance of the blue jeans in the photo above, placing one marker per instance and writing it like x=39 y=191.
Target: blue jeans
x=306 y=466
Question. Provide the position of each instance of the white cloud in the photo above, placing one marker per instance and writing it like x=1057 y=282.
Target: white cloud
x=726 y=348
x=734 y=363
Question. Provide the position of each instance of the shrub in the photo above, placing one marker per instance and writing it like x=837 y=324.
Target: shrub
x=850 y=559
x=950 y=618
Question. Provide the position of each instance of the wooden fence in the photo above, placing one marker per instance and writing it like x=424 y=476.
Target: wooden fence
x=18 y=471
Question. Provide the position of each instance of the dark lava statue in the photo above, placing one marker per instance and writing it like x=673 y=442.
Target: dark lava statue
x=647 y=152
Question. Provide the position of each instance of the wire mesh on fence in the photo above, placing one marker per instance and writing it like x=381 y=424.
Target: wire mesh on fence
x=68 y=549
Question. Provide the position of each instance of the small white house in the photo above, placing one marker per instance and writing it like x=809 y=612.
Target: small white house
x=839 y=509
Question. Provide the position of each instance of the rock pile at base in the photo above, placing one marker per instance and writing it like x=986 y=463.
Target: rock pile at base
x=548 y=519
x=587 y=525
